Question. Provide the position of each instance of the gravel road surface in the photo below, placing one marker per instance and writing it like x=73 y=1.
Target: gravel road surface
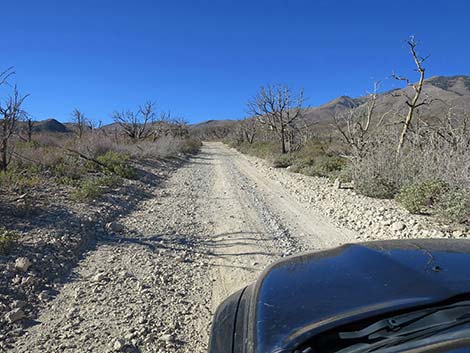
x=153 y=283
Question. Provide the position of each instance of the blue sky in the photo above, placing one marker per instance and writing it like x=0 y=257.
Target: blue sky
x=204 y=59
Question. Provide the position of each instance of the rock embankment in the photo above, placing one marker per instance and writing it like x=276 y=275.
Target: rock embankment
x=372 y=219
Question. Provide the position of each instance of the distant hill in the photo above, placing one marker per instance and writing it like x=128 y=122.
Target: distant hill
x=444 y=92
x=326 y=112
x=213 y=129
x=47 y=125
x=50 y=125
x=212 y=123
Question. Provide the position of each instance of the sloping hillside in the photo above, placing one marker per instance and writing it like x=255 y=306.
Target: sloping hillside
x=442 y=93
x=48 y=125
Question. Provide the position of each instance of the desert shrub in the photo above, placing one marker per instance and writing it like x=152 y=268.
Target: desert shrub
x=344 y=174
x=282 y=160
x=191 y=146
x=110 y=181
x=166 y=147
x=18 y=180
x=326 y=165
x=421 y=197
x=117 y=163
x=323 y=167
x=378 y=174
x=95 y=145
x=40 y=157
x=454 y=206
x=8 y=239
x=94 y=187
x=310 y=152
x=163 y=147
x=376 y=186
x=48 y=139
x=70 y=167
x=67 y=180
x=89 y=189
x=265 y=150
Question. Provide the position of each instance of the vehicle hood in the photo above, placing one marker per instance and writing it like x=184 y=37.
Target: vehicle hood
x=301 y=296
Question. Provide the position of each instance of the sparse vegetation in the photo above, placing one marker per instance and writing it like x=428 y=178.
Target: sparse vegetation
x=117 y=163
x=88 y=160
x=404 y=152
x=7 y=240
x=421 y=197
x=454 y=206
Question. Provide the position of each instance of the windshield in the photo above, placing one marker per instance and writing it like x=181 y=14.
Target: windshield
x=400 y=332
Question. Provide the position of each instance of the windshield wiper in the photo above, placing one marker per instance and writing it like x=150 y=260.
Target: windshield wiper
x=412 y=326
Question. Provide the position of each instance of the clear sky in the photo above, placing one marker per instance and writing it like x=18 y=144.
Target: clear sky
x=204 y=59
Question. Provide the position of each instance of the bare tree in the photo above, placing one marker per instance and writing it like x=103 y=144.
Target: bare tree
x=356 y=124
x=277 y=107
x=248 y=129
x=10 y=113
x=137 y=125
x=81 y=122
x=412 y=102
x=93 y=125
x=179 y=127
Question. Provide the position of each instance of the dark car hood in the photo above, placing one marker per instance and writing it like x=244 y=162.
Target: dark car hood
x=301 y=296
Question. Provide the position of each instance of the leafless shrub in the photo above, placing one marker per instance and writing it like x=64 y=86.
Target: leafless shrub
x=10 y=113
x=436 y=150
x=94 y=145
x=81 y=122
x=137 y=125
x=356 y=126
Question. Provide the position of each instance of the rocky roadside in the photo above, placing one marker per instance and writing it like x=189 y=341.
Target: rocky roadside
x=53 y=233
x=372 y=219
x=145 y=287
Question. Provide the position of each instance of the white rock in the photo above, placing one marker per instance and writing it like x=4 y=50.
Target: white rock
x=167 y=338
x=22 y=264
x=28 y=281
x=99 y=277
x=397 y=226
x=118 y=344
x=337 y=183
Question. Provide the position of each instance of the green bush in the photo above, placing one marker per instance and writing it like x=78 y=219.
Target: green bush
x=421 y=197
x=8 y=240
x=110 y=181
x=87 y=191
x=376 y=186
x=67 y=180
x=326 y=165
x=265 y=150
x=19 y=181
x=282 y=160
x=118 y=163
x=310 y=152
x=454 y=206
x=70 y=167
x=93 y=188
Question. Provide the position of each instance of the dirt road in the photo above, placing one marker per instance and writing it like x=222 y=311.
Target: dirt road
x=208 y=231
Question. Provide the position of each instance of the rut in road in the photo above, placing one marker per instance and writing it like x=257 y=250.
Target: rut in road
x=207 y=232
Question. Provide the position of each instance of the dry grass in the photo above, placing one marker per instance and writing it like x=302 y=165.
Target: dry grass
x=89 y=165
